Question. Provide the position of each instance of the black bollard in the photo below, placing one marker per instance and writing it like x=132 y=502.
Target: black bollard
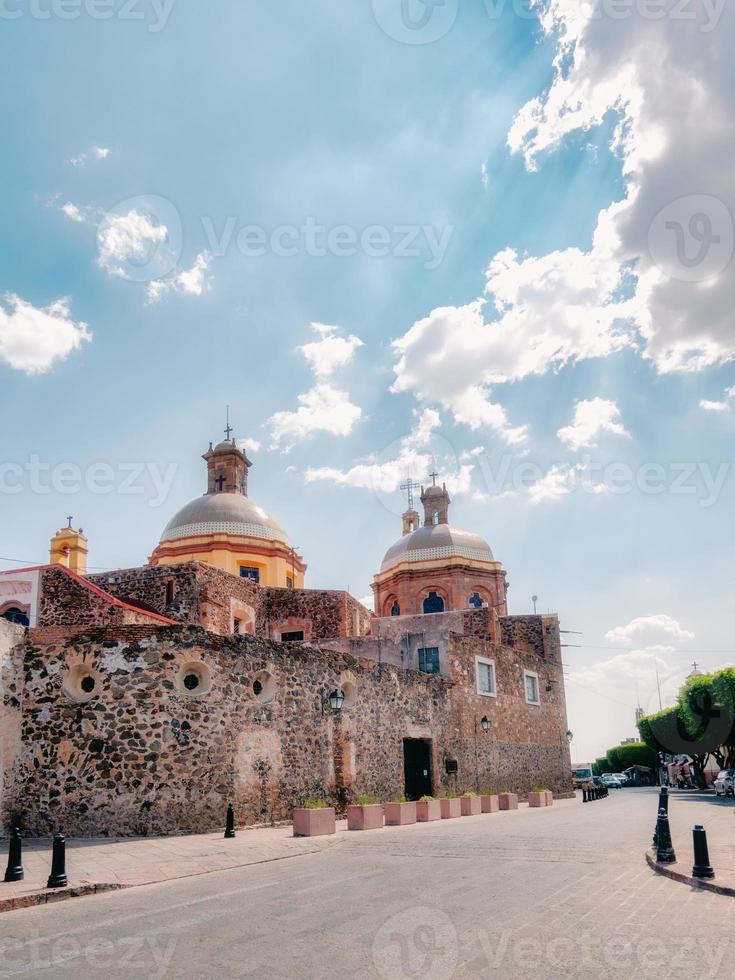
x=58 y=878
x=665 y=853
x=230 y=828
x=15 y=857
x=663 y=804
x=702 y=868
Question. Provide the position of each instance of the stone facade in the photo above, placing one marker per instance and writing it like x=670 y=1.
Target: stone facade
x=11 y=685
x=142 y=753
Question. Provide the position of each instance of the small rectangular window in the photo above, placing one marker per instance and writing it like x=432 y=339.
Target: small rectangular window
x=485 y=671
x=289 y=583
x=252 y=573
x=429 y=660
x=237 y=627
x=293 y=637
x=532 y=690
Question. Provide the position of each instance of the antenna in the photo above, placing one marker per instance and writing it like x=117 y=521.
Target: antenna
x=534 y=600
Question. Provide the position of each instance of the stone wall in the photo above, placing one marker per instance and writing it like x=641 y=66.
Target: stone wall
x=320 y=614
x=11 y=681
x=145 y=753
x=66 y=598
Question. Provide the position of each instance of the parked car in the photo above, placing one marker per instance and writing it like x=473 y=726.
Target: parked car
x=611 y=781
x=725 y=783
x=621 y=777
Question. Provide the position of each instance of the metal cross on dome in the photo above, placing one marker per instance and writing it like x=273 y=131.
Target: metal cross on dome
x=228 y=428
x=433 y=478
x=70 y=519
x=409 y=486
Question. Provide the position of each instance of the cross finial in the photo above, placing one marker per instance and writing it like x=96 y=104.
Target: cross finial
x=433 y=478
x=228 y=429
x=220 y=481
x=409 y=486
x=69 y=519
x=695 y=665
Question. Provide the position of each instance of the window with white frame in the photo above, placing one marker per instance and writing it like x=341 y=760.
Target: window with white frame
x=485 y=674
x=532 y=689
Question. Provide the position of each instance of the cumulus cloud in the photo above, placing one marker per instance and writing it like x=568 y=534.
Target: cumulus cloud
x=96 y=153
x=591 y=419
x=324 y=407
x=186 y=282
x=425 y=423
x=709 y=406
x=386 y=476
x=321 y=409
x=657 y=625
x=654 y=278
x=128 y=238
x=74 y=213
x=32 y=339
x=249 y=445
x=331 y=352
x=634 y=669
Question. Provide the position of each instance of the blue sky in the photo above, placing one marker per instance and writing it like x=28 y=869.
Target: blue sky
x=280 y=114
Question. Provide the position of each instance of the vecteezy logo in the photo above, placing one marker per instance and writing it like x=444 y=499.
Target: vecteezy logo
x=416 y=21
x=417 y=943
x=693 y=238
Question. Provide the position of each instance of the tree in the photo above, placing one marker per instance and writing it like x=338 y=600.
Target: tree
x=601 y=765
x=723 y=685
x=622 y=757
x=708 y=714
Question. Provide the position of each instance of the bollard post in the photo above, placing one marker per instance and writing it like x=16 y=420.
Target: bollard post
x=663 y=803
x=584 y=794
x=58 y=879
x=702 y=868
x=14 y=870
x=665 y=853
x=230 y=827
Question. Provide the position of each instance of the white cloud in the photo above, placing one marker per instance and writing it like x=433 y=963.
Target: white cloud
x=249 y=445
x=74 y=213
x=632 y=670
x=656 y=625
x=325 y=356
x=186 y=282
x=387 y=476
x=101 y=152
x=425 y=423
x=32 y=339
x=591 y=418
x=714 y=406
x=368 y=601
x=321 y=409
x=128 y=238
x=97 y=152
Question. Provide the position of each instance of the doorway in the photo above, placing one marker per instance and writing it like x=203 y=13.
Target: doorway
x=417 y=768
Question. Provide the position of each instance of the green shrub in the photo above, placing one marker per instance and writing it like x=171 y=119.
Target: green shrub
x=450 y=795
x=400 y=799
x=538 y=789
x=366 y=799
x=489 y=792
x=469 y=794
x=315 y=805
x=426 y=799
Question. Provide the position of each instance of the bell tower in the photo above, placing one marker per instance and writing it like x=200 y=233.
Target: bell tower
x=69 y=548
x=436 y=503
x=227 y=466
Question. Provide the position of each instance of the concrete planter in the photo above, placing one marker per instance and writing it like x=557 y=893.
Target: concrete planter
x=368 y=817
x=537 y=799
x=451 y=808
x=400 y=814
x=549 y=797
x=471 y=806
x=314 y=823
x=428 y=810
x=508 y=801
x=490 y=804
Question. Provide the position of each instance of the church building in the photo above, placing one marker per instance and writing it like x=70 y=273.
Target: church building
x=144 y=700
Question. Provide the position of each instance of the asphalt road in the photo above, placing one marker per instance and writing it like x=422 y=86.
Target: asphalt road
x=562 y=892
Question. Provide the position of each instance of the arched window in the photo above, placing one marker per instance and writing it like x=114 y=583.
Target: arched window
x=395 y=609
x=435 y=518
x=16 y=616
x=476 y=600
x=433 y=603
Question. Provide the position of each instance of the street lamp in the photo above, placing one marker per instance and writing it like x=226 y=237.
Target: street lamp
x=336 y=700
x=485 y=722
x=570 y=736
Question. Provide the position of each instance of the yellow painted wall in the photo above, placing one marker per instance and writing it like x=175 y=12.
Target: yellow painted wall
x=274 y=569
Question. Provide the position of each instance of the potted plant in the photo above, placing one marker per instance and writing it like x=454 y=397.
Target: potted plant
x=365 y=813
x=314 y=819
x=537 y=797
x=470 y=805
x=400 y=812
x=451 y=806
x=508 y=800
x=489 y=801
x=549 y=797
x=428 y=809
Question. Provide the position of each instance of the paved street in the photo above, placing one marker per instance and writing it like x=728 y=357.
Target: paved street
x=562 y=892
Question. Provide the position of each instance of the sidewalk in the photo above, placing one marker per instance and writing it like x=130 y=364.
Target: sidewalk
x=104 y=864
x=717 y=816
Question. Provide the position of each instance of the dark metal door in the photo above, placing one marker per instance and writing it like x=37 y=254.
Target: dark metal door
x=417 y=767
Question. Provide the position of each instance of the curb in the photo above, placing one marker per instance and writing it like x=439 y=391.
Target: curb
x=702 y=883
x=50 y=895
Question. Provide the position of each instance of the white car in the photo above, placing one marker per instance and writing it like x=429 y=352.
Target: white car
x=611 y=781
x=725 y=783
x=621 y=778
